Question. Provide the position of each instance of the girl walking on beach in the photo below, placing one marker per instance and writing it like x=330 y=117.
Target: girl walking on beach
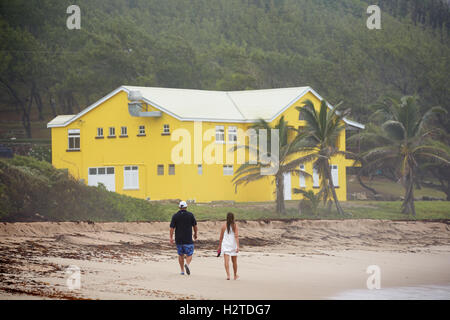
x=229 y=244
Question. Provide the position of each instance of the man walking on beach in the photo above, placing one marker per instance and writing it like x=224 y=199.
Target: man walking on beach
x=182 y=223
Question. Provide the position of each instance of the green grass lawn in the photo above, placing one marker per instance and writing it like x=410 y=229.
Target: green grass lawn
x=389 y=188
x=359 y=210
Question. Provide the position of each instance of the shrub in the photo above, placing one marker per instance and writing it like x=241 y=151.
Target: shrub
x=33 y=190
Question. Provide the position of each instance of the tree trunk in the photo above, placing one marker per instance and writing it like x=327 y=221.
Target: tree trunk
x=280 y=193
x=408 y=203
x=52 y=105
x=333 y=191
x=38 y=100
x=358 y=176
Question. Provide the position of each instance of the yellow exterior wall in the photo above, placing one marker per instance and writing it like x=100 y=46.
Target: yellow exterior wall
x=154 y=148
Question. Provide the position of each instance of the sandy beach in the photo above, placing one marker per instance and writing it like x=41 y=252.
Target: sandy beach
x=292 y=259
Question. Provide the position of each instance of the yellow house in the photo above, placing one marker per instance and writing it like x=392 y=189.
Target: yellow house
x=175 y=143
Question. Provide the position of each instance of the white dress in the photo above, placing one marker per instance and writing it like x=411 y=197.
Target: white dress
x=229 y=244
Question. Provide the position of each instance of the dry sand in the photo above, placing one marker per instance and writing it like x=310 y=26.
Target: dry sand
x=300 y=259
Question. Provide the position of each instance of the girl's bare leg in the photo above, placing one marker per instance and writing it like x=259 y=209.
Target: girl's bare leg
x=234 y=260
x=227 y=265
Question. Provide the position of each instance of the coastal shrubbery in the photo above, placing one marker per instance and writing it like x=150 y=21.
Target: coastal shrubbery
x=33 y=190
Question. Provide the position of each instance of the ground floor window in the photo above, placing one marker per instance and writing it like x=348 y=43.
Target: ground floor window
x=227 y=170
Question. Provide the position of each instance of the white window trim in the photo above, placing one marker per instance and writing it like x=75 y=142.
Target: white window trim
x=228 y=170
x=109 y=132
x=166 y=126
x=335 y=183
x=316 y=183
x=234 y=131
x=143 y=130
x=73 y=133
x=302 y=177
x=222 y=128
x=121 y=131
x=98 y=135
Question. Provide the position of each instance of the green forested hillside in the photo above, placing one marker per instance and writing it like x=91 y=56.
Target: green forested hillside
x=221 y=45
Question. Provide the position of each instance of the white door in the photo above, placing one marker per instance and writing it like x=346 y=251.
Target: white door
x=335 y=175
x=104 y=175
x=287 y=186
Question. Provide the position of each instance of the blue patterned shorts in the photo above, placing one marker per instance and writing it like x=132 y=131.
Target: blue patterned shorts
x=187 y=249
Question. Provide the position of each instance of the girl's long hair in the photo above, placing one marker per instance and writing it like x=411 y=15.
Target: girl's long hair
x=230 y=221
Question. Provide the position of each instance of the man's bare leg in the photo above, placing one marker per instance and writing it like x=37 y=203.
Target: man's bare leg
x=181 y=262
x=188 y=260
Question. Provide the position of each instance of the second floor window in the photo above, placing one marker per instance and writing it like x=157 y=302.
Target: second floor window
x=232 y=134
x=112 y=132
x=74 y=139
x=301 y=115
x=100 y=132
x=141 y=130
x=166 y=129
x=220 y=134
x=123 y=131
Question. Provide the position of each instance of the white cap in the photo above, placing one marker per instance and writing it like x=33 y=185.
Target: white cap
x=183 y=204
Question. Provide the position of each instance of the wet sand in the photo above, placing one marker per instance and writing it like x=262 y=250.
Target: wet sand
x=296 y=259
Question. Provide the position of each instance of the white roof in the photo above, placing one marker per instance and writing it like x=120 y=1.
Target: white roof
x=60 y=120
x=212 y=106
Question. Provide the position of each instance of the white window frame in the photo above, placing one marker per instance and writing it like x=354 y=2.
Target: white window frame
x=166 y=129
x=232 y=133
x=100 y=132
x=130 y=177
x=316 y=178
x=113 y=130
x=220 y=133
x=228 y=170
x=141 y=131
x=74 y=135
x=122 y=131
x=302 y=178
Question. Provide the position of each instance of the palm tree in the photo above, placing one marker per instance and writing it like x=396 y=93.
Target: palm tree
x=403 y=143
x=319 y=141
x=248 y=172
x=313 y=198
